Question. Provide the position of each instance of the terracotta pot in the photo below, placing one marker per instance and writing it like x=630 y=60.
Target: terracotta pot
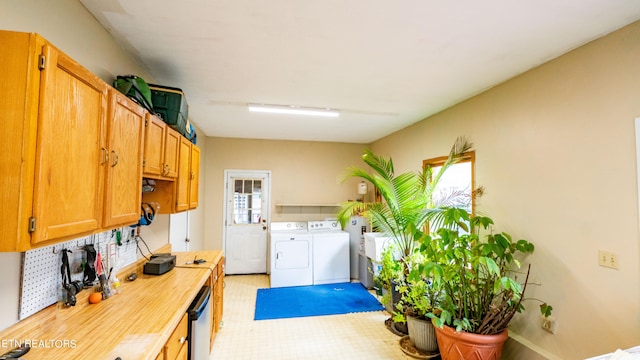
x=422 y=334
x=466 y=346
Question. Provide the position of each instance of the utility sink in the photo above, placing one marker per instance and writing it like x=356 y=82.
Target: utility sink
x=374 y=245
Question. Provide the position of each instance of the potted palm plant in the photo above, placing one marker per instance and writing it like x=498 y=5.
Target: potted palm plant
x=478 y=271
x=407 y=202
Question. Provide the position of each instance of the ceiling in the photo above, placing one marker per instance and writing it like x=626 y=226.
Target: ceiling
x=383 y=64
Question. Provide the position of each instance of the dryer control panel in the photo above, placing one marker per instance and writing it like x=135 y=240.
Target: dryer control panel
x=324 y=225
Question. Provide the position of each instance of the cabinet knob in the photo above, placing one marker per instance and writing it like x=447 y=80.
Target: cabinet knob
x=115 y=158
x=182 y=340
x=105 y=156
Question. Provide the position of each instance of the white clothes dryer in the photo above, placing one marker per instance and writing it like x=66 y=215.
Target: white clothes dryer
x=330 y=252
x=291 y=261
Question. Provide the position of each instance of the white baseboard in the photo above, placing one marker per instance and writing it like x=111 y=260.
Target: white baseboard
x=519 y=348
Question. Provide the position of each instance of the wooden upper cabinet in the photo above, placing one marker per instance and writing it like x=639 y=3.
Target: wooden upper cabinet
x=51 y=157
x=161 y=149
x=124 y=169
x=155 y=130
x=70 y=157
x=187 y=182
x=182 y=185
x=70 y=149
x=19 y=98
x=181 y=194
x=171 y=153
x=194 y=177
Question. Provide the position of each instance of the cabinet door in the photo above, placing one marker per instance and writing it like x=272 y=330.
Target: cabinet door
x=213 y=331
x=218 y=296
x=19 y=98
x=155 y=132
x=184 y=352
x=177 y=340
x=171 y=151
x=182 y=185
x=70 y=149
x=125 y=134
x=194 y=177
x=160 y=355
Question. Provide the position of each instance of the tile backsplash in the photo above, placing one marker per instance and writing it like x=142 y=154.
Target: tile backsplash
x=41 y=279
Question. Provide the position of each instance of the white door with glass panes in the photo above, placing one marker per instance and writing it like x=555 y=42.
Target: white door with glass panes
x=246 y=225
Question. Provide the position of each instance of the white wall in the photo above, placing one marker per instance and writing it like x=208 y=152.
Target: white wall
x=302 y=173
x=10 y=285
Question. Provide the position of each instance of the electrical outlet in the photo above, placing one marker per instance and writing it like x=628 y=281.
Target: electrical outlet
x=549 y=324
x=608 y=259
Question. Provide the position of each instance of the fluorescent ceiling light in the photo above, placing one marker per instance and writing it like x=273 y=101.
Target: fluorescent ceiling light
x=294 y=110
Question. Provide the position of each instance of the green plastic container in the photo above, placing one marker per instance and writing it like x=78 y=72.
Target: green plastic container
x=171 y=104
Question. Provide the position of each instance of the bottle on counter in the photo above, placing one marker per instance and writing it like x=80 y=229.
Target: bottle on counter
x=115 y=286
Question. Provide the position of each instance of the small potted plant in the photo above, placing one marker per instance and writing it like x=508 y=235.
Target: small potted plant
x=389 y=275
x=483 y=288
x=420 y=295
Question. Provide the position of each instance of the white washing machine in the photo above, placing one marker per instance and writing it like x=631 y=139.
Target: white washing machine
x=291 y=261
x=330 y=252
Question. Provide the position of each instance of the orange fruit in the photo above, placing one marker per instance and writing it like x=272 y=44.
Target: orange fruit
x=95 y=298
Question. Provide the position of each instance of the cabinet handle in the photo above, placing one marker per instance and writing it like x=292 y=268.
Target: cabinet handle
x=115 y=158
x=192 y=176
x=182 y=340
x=105 y=156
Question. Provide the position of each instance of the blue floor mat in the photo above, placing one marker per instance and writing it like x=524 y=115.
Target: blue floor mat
x=316 y=300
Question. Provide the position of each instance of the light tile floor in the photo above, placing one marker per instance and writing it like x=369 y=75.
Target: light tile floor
x=351 y=336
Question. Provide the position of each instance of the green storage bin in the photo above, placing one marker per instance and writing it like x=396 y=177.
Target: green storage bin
x=171 y=104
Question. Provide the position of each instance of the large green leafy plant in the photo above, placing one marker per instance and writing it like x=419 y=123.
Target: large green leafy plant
x=478 y=270
x=407 y=198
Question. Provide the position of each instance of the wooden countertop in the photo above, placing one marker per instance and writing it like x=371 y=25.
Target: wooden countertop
x=134 y=324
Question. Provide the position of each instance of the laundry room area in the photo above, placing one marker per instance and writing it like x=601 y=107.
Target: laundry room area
x=302 y=184
x=311 y=253
x=245 y=202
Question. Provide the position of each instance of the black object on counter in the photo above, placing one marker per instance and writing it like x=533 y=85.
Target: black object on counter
x=159 y=265
x=16 y=353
